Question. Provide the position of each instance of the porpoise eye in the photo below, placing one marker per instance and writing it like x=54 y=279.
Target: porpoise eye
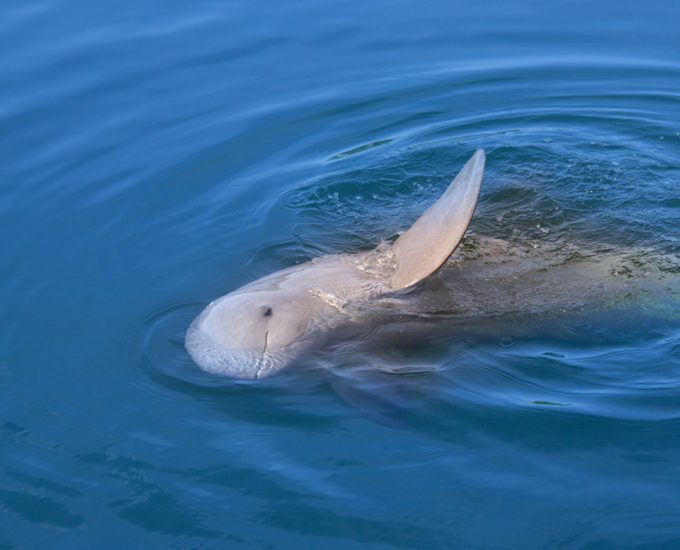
x=267 y=312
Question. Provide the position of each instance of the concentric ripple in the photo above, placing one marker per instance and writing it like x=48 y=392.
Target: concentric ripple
x=157 y=155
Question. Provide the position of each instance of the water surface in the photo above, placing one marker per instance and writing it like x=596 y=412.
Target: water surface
x=156 y=155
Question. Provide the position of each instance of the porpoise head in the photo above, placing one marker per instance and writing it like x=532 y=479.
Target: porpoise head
x=259 y=329
x=251 y=334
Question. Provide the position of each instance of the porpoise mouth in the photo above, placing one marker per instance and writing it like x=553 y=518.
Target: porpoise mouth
x=215 y=358
x=262 y=366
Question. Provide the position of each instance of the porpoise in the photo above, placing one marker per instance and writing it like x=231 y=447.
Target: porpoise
x=265 y=326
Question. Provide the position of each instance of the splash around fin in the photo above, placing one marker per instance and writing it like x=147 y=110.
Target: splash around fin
x=434 y=236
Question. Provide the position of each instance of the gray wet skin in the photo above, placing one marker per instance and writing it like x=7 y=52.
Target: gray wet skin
x=261 y=328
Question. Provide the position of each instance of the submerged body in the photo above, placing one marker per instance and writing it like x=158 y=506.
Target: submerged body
x=266 y=325
x=490 y=277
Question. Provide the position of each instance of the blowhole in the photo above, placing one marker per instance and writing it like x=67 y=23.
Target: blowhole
x=268 y=311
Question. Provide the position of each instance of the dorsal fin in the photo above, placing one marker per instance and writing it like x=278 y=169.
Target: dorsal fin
x=434 y=236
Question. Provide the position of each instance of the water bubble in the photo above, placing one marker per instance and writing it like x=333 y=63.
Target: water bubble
x=507 y=342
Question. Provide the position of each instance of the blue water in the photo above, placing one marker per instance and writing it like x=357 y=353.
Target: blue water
x=156 y=155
